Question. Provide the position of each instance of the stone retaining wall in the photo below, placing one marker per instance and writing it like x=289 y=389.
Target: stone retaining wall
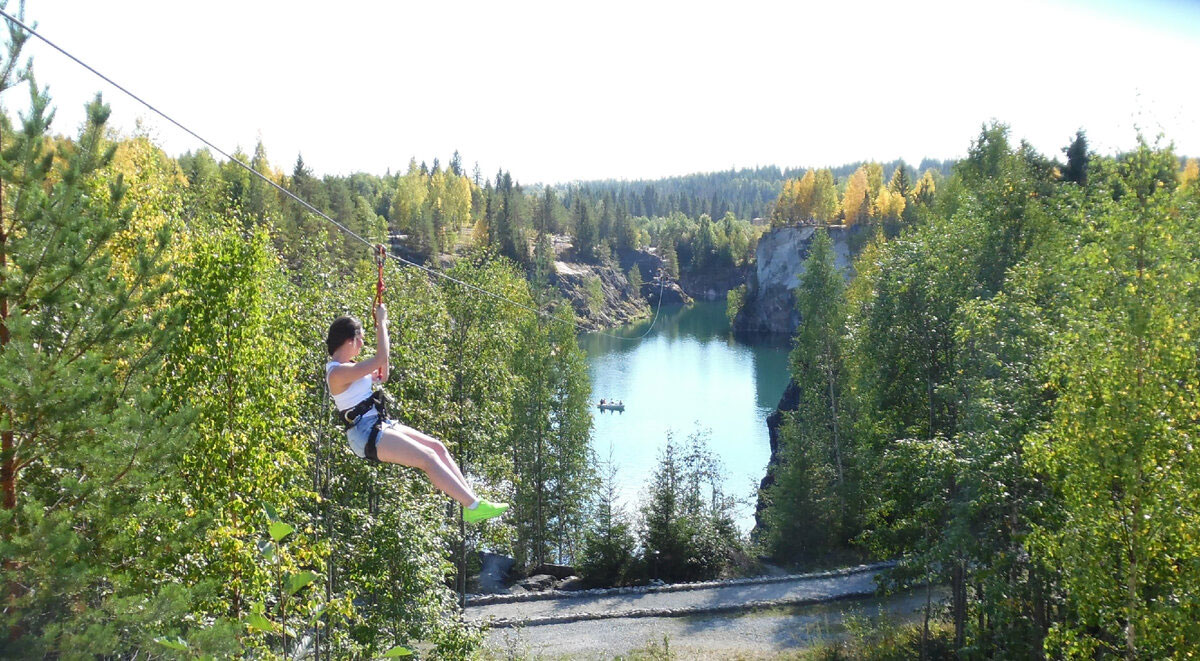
x=487 y=599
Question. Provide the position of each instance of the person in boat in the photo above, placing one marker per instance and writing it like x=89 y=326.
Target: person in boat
x=602 y=402
x=376 y=437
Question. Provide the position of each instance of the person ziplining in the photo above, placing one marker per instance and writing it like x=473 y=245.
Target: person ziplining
x=361 y=409
x=371 y=434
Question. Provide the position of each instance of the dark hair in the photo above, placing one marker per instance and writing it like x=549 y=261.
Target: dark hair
x=341 y=331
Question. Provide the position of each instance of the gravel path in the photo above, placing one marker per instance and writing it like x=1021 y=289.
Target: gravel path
x=717 y=598
x=761 y=634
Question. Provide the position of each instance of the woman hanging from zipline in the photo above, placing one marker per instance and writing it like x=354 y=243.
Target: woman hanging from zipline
x=372 y=434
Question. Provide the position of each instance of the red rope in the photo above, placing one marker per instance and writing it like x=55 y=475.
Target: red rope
x=380 y=258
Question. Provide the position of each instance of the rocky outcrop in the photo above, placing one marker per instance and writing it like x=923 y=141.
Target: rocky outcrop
x=494 y=571
x=769 y=306
x=601 y=295
x=672 y=293
x=713 y=284
x=789 y=402
x=651 y=266
x=556 y=571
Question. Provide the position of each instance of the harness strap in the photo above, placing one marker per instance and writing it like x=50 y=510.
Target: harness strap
x=371 y=451
x=350 y=417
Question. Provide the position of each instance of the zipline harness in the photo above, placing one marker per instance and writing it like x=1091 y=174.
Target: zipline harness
x=351 y=416
x=378 y=399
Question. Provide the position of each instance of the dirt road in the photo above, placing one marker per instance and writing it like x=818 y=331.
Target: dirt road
x=746 y=619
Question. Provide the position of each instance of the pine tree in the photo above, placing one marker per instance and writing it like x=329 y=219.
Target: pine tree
x=670 y=259
x=586 y=236
x=609 y=546
x=635 y=279
x=901 y=183
x=84 y=316
x=809 y=511
x=686 y=527
x=1076 y=170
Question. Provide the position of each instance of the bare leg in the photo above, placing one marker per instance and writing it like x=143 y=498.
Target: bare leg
x=433 y=444
x=395 y=447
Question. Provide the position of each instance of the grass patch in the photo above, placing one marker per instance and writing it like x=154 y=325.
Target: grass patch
x=879 y=640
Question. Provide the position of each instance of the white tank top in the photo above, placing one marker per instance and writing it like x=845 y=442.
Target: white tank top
x=359 y=390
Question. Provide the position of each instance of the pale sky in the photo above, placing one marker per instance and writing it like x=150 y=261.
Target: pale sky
x=568 y=90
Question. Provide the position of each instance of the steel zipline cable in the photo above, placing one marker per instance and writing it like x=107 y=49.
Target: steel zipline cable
x=302 y=202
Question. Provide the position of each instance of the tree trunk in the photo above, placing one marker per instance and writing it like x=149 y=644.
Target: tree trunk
x=959 y=583
x=8 y=457
x=1131 y=586
x=837 y=447
x=460 y=581
x=925 y=623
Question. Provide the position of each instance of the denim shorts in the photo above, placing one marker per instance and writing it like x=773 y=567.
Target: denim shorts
x=361 y=431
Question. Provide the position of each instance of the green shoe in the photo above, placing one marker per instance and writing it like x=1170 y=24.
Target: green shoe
x=484 y=511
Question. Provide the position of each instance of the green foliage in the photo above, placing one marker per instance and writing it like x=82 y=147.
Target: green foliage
x=1076 y=170
x=735 y=300
x=550 y=438
x=587 y=234
x=293 y=608
x=810 y=511
x=1019 y=402
x=635 y=279
x=1119 y=443
x=702 y=246
x=670 y=260
x=608 y=557
x=749 y=193
x=687 y=528
x=879 y=640
x=595 y=294
x=163 y=414
x=82 y=331
x=505 y=218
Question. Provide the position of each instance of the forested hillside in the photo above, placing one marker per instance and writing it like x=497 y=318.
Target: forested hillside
x=1005 y=398
x=746 y=193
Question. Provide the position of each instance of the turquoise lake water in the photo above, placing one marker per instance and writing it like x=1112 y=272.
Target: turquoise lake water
x=688 y=374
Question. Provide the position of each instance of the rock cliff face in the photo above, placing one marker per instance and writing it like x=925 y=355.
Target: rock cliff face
x=616 y=304
x=769 y=306
x=650 y=264
x=790 y=401
x=713 y=284
x=602 y=296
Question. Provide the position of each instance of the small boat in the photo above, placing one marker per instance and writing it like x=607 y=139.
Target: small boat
x=610 y=406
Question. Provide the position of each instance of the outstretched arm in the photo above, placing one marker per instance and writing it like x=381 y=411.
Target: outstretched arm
x=342 y=376
x=383 y=351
